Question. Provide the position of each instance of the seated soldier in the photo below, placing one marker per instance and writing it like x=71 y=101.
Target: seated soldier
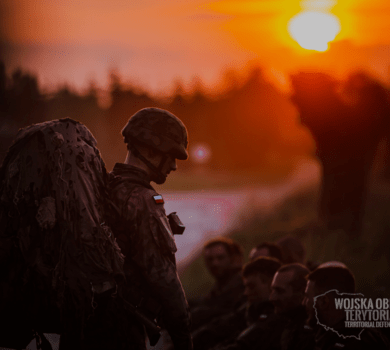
x=257 y=276
x=269 y=249
x=328 y=320
x=293 y=250
x=223 y=258
x=283 y=328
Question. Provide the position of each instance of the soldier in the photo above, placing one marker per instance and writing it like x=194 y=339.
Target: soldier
x=257 y=277
x=293 y=250
x=223 y=259
x=288 y=288
x=266 y=249
x=155 y=138
x=56 y=253
x=284 y=328
x=327 y=319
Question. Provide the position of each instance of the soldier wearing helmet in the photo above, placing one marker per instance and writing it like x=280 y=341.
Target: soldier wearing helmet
x=155 y=138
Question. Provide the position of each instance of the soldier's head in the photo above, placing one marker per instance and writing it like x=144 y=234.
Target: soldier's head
x=155 y=138
x=222 y=256
x=293 y=250
x=288 y=287
x=327 y=277
x=269 y=249
x=257 y=276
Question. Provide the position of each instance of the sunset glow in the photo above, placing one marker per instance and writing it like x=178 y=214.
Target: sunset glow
x=154 y=43
x=314 y=30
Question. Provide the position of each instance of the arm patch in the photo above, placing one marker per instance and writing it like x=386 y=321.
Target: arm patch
x=158 y=199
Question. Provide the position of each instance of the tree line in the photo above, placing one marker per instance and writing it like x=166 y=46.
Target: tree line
x=251 y=125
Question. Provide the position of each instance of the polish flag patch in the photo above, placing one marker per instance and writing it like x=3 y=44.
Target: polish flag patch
x=158 y=199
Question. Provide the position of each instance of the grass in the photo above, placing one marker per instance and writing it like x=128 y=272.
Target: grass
x=367 y=256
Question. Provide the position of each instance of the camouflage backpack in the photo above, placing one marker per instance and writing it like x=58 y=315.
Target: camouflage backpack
x=55 y=249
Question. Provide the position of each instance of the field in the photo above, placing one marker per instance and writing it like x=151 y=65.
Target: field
x=367 y=256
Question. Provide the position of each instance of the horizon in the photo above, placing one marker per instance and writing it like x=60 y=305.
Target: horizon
x=156 y=46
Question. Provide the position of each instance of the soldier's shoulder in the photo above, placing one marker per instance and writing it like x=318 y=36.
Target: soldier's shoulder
x=132 y=199
x=151 y=199
x=122 y=185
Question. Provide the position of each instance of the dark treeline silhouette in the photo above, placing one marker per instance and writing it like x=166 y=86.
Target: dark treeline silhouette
x=21 y=103
x=347 y=120
x=243 y=126
x=249 y=126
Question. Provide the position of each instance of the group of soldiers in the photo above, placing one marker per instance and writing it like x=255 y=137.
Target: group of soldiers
x=268 y=303
x=85 y=253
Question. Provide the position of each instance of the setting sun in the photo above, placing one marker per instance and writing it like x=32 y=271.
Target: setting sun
x=314 y=30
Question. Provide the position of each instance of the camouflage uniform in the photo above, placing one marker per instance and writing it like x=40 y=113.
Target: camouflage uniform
x=146 y=239
x=54 y=247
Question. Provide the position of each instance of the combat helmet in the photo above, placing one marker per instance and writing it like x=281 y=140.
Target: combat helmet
x=159 y=129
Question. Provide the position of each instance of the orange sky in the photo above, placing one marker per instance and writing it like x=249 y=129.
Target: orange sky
x=154 y=42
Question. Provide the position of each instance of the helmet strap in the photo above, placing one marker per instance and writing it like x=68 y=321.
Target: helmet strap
x=156 y=170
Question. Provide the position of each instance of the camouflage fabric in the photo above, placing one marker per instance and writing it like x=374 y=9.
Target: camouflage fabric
x=158 y=129
x=111 y=326
x=54 y=245
x=145 y=237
